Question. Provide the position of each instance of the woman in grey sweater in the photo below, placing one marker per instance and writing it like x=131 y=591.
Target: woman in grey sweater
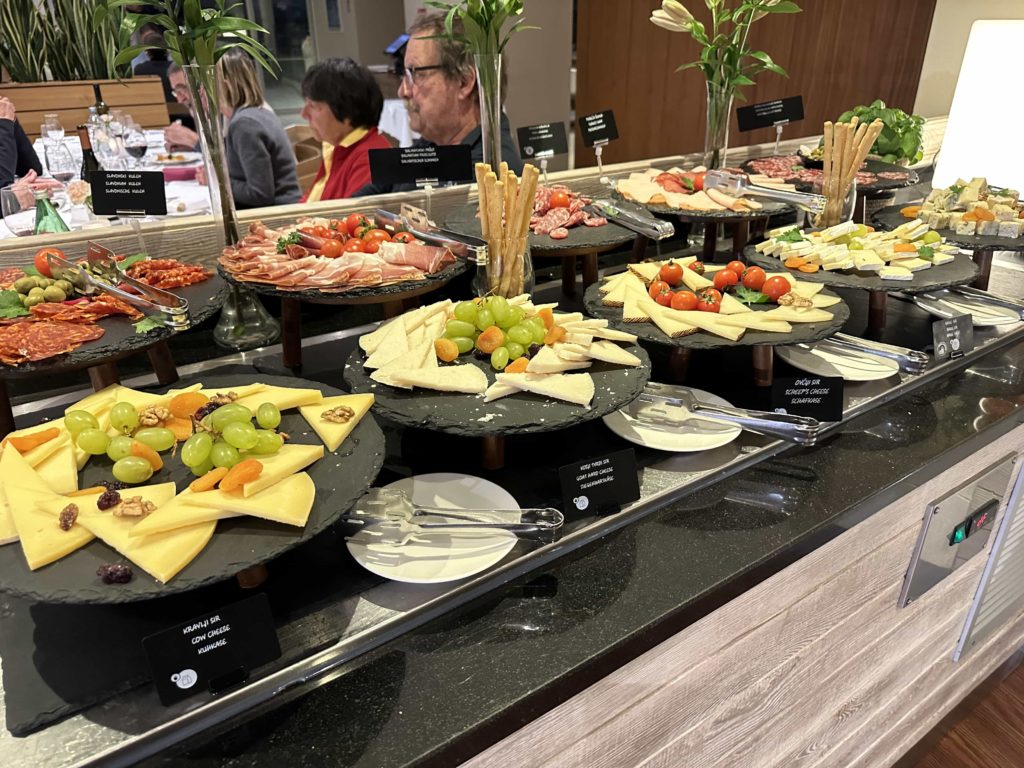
x=261 y=162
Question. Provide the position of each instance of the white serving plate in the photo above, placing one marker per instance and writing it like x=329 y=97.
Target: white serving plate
x=689 y=438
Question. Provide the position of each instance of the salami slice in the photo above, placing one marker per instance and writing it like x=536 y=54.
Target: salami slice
x=559 y=233
x=34 y=341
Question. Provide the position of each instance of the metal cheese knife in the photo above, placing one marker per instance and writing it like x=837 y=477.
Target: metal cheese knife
x=641 y=223
x=738 y=185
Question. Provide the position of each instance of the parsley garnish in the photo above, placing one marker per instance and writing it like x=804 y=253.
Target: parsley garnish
x=956 y=189
x=147 y=324
x=791 y=236
x=687 y=182
x=926 y=252
x=748 y=296
x=11 y=306
x=283 y=242
x=31 y=271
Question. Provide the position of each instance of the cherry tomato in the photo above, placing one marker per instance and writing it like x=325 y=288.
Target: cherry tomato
x=42 y=265
x=308 y=230
x=709 y=300
x=377 y=234
x=754 y=278
x=774 y=287
x=559 y=200
x=698 y=182
x=737 y=266
x=322 y=231
x=338 y=225
x=665 y=299
x=697 y=266
x=671 y=273
x=658 y=287
x=354 y=245
x=725 y=278
x=332 y=249
x=363 y=231
x=371 y=246
x=403 y=237
x=356 y=221
x=684 y=301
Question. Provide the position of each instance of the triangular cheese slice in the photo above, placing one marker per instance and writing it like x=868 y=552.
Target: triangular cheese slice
x=393 y=345
x=612 y=353
x=663 y=318
x=60 y=471
x=283 y=397
x=41 y=453
x=804 y=288
x=575 y=388
x=586 y=325
x=177 y=513
x=419 y=356
x=756 y=321
x=452 y=378
x=498 y=390
x=632 y=308
x=369 y=342
x=821 y=302
x=547 y=361
x=331 y=433
x=286 y=462
x=617 y=295
x=289 y=501
x=707 y=321
x=614 y=335
x=570 y=317
x=799 y=314
x=695 y=282
x=732 y=306
x=646 y=270
x=97 y=401
x=573 y=353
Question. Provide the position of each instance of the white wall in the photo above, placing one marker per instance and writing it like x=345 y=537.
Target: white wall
x=951 y=26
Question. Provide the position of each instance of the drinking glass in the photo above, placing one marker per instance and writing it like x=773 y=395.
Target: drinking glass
x=50 y=130
x=135 y=142
x=61 y=164
x=19 y=209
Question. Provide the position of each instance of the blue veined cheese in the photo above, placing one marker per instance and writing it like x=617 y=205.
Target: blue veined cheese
x=1004 y=212
x=988 y=228
x=1010 y=228
x=954 y=220
x=966 y=227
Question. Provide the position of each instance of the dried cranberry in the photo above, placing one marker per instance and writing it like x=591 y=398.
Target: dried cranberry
x=113 y=485
x=108 y=500
x=205 y=410
x=115 y=574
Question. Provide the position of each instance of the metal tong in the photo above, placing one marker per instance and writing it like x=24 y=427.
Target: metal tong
x=671 y=406
x=738 y=185
x=99 y=273
x=991 y=298
x=910 y=360
x=639 y=222
x=465 y=247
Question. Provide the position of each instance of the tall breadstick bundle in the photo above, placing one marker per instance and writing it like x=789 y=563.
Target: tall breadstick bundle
x=846 y=146
x=506 y=206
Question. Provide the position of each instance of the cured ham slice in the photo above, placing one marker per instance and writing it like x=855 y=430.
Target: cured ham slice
x=426 y=258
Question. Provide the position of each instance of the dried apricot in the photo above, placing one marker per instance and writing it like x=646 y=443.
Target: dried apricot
x=208 y=481
x=182 y=428
x=808 y=268
x=911 y=211
x=490 y=340
x=446 y=350
x=794 y=261
x=28 y=442
x=184 y=405
x=548 y=317
x=905 y=248
x=144 y=451
x=243 y=472
x=518 y=365
x=554 y=335
x=984 y=214
x=971 y=215
x=95 y=490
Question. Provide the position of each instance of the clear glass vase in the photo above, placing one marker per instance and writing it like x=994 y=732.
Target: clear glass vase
x=507 y=274
x=716 y=134
x=244 y=322
x=488 y=83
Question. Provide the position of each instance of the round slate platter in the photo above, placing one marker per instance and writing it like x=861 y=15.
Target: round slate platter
x=341 y=478
x=802 y=332
x=521 y=413
x=870 y=165
x=961 y=271
x=464 y=221
x=890 y=217
x=393 y=292
x=770 y=208
x=119 y=338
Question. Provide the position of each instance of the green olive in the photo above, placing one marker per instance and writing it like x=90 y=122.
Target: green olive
x=31 y=301
x=24 y=301
x=24 y=284
x=40 y=281
x=36 y=292
x=65 y=286
x=53 y=293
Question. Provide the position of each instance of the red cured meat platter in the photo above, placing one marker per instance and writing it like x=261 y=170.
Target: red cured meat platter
x=874 y=175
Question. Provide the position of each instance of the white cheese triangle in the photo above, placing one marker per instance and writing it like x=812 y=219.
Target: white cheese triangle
x=575 y=388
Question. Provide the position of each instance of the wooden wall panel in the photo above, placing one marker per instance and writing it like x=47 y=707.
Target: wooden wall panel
x=839 y=53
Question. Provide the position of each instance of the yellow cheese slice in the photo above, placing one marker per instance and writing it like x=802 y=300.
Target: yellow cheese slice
x=244 y=391
x=695 y=282
x=179 y=512
x=707 y=321
x=755 y=321
x=81 y=458
x=162 y=555
x=799 y=314
x=632 y=309
x=821 y=302
x=732 y=306
x=290 y=459
x=646 y=270
x=662 y=317
x=42 y=540
x=97 y=401
x=60 y=471
x=283 y=397
x=333 y=434
x=289 y=501
x=616 y=296
x=41 y=453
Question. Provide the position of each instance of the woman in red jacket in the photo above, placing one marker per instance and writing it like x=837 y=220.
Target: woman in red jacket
x=342 y=105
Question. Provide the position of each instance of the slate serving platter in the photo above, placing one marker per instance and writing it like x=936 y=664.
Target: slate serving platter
x=802 y=332
x=870 y=165
x=521 y=413
x=890 y=217
x=464 y=221
x=385 y=292
x=341 y=478
x=961 y=271
x=770 y=208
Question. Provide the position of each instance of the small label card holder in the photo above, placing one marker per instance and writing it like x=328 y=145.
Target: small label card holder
x=819 y=397
x=140 y=193
x=770 y=113
x=600 y=483
x=598 y=129
x=953 y=337
x=423 y=166
x=537 y=142
x=214 y=651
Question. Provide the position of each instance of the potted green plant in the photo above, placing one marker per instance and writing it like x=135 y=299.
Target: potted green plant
x=902 y=136
x=195 y=37
x=726 y=58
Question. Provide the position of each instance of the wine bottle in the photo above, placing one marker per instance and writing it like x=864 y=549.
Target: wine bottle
x=101 y=106
x=47 y=218
x=89 y=161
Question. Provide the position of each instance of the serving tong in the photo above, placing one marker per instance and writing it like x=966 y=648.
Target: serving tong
x=390 y=516
x=944 y=304
x=667 y=407
x=99 y=273
x=909 y=360
x=738 y=185
x=464 y=247
x=845 y=356
x=640 y=222
x=990 y=298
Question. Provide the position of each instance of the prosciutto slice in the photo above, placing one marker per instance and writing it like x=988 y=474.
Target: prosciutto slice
x=425 y=258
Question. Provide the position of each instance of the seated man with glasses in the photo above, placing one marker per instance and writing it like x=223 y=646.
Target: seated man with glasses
x=342 y=105
x=177 y=137
x=439 y=90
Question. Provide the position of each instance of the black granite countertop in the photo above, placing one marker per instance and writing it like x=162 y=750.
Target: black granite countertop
x=449 y=689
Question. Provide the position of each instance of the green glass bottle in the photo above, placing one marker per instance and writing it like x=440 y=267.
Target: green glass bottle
x=47 y=218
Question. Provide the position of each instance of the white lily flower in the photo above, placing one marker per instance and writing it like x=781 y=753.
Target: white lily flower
x=666 y=21
x=676 y=10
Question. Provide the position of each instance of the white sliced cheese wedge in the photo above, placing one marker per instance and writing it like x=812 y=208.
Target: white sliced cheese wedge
x=394 y=344
x=821 y=302
x=614 y=335
x=646 y=270
x=452 y=378
x=799 y=315
x=497 y=390
x=756 y=321
x=547 y=361
x=575 y=388
x=707 y=321
x=895 y=273
x=914 y=264
x=612 y=353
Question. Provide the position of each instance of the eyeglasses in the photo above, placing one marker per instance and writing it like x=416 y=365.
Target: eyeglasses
x=413 y=75
x=181 y=88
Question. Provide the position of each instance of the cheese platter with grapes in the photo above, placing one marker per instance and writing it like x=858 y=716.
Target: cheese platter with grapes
x=130 y=495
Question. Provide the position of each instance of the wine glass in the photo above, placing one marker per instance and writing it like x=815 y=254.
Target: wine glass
x=18 y=208
x=61 y=164
x=135 y=142
x=50 y=130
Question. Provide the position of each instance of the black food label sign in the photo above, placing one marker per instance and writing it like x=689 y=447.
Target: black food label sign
x=953 y=337
x=598 y=128
x=132 y=192
x=819 y=397
x=541 y=141
x=600 y=483
x=421 y=166
x=769 y=113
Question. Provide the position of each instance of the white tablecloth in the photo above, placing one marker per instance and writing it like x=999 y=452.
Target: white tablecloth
x=394 y=121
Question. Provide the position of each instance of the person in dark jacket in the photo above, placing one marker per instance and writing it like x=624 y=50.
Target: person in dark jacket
x=17 y=157
x=154 y=61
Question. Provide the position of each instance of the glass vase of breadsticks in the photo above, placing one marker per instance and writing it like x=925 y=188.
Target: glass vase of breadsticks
x=846 y=147
x=506 y=205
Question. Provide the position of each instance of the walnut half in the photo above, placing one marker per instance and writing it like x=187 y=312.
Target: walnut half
x=153 y=416
x=223 y=398
x=133 y=506
x=340 y=415
x=792 y=299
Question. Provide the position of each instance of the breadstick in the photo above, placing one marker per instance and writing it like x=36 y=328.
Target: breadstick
x=481 y=190
x=863 y=147
x=828 y=144
x=528 y=192
x=495 y=202
x=503 y=171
